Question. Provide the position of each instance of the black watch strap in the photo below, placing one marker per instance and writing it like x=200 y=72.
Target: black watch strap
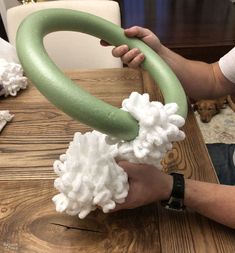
x=176 y=200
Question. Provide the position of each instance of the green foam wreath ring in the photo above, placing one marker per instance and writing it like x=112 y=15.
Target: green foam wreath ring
x=67 y=95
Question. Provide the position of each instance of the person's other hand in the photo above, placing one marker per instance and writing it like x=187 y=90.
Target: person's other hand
x=147 y=184
x=133 y=57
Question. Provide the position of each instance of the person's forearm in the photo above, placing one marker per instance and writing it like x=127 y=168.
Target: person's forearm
x=215 y=201
x=199 y=79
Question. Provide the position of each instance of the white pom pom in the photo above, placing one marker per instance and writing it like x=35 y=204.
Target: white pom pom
x=88 y=176
x=11 y=78
x=158 y=127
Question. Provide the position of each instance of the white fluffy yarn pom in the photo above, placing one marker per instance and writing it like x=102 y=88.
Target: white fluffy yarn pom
x=158 y=128
x=89 y=176
x=11 y=78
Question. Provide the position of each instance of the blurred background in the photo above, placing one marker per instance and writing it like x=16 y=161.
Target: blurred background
x=197 y=29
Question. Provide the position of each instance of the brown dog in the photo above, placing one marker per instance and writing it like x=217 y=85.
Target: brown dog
x=209 y=108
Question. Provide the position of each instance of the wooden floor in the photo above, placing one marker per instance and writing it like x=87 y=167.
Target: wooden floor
x=198 y=29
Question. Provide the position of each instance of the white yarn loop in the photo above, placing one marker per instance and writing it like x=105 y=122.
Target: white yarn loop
x=88 y=173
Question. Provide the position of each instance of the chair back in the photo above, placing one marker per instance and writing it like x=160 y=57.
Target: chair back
x=71 y=50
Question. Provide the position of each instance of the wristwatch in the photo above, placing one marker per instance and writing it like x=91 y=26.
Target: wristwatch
x=176 y=200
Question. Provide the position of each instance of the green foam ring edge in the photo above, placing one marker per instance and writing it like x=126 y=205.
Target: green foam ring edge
x=67 y=95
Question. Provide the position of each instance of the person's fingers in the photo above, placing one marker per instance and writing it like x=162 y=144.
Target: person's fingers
x=126 y=165
x=120 y=50
x=135 y=170
x=134 y=31
x=130 y=168
x=135 y=63
x=137 y=31
x=130 y=55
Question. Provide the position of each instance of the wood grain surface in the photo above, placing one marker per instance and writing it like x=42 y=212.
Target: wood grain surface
x=36 y=137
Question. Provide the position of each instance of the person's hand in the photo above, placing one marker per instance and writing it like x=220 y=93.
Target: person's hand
x=147 y=184
x=133 y=58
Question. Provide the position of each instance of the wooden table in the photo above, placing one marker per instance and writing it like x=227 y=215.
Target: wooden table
x=36 y=137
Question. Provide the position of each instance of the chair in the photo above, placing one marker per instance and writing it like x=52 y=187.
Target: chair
x=4 y=5
x=71 y=50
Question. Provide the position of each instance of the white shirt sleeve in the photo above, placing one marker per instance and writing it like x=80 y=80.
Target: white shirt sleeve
x=227 y=65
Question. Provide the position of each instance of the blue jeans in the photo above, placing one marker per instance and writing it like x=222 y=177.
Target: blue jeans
x=222 y=158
